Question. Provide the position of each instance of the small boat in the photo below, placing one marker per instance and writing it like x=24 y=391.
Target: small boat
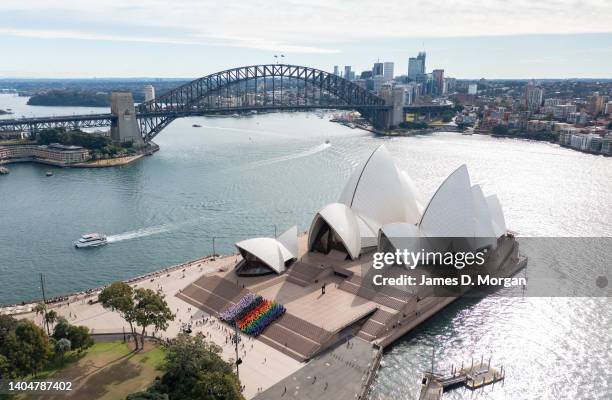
x=327 y=141
x=196 y=126
x=236 y=115
x=91 y=240
x=49 y=173
x=4 y=171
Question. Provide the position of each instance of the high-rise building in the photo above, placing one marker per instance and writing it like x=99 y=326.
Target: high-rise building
x=336 y=70
x=533 y=97
x=347 y=72
x=438 y=81
x=608 y=108
x=595 y=104
x=378 y=69
x=149 y=92
x=472 y=88
x=366 y=75
x=388 y=70
x=416 y=66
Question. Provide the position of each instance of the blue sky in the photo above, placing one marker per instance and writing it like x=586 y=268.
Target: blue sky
x=189 y=38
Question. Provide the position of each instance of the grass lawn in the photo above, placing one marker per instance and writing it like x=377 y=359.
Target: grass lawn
x=107 y=371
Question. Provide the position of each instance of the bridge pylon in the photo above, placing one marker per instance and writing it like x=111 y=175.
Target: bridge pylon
x=125 y=127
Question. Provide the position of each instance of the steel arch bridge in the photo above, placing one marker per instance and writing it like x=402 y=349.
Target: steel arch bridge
x=203 y=95
x=255 y=87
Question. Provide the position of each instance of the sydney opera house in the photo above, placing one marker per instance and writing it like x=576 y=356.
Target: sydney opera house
x=322 y=279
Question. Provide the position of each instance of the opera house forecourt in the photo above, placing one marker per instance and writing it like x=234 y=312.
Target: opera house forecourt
x=353 y=273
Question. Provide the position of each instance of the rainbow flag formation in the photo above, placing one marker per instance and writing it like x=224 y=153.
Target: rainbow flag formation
x=253 y=314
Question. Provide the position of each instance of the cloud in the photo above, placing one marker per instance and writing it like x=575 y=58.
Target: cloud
x=297 y=25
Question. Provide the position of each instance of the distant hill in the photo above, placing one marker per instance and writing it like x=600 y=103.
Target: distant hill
x=70 y=98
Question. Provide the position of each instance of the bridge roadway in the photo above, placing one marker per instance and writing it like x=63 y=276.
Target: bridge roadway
x=105 y=120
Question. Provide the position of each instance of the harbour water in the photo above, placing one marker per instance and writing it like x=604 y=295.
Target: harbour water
x=234 y=178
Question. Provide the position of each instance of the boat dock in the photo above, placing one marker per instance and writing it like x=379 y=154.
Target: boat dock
x=473 y=377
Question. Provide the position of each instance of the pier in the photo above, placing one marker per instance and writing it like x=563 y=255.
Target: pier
x=473 y=377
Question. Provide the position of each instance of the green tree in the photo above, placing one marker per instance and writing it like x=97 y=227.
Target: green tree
x=147 y=395
x=500 y=130
x=41 y=308
x=79 y=337
x=119 y=297
x=51 y=317
x=195 y=370
x=62 y=347
x=447 y=116
x=151 y=310
x=61 y=329
x=31 y=348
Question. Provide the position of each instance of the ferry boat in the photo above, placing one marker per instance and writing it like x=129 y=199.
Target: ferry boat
x=91 y=240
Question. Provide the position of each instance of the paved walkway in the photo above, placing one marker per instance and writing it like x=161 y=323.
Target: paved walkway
x=337 y=374
x=262 y=365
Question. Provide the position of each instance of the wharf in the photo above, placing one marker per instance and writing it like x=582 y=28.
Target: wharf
x=473 y=377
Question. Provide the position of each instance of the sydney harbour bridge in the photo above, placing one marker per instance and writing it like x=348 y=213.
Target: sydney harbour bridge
x=251 y=88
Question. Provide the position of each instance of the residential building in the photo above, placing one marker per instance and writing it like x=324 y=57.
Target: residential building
x=472 y=88
x=533 y=97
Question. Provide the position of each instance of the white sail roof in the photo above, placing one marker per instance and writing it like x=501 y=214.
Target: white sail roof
x=273 y=252
x=485 y=234
x=402 y=236
x=343 y=221
x=377 y=189
x=497 y=215
x=289 y=241
x=450 y=211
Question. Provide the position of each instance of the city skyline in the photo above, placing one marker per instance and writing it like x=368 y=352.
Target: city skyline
x=514 y=40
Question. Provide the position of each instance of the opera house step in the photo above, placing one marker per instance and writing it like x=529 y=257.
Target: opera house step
x=388 y=296
x=375 y=325
x=290 y=334
x=304 y=274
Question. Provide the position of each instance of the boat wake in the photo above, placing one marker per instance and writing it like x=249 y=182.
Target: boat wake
x=305 y=153
x=138 y=233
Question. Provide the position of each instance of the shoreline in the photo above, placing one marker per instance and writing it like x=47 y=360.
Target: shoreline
x=101 y=163
x=57 y=301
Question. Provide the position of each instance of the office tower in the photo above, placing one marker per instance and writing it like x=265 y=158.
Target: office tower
x=378 y=69
x=416 y=66
x=347 y=72
x=366 y=75
x=149 y=92
x=336 y=70
x=388 y=70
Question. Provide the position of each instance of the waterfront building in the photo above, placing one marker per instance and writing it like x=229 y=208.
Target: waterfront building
x=416 y=66
x=388 y=70
x=53 y=153
x=376 y=193
x=149 y=92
